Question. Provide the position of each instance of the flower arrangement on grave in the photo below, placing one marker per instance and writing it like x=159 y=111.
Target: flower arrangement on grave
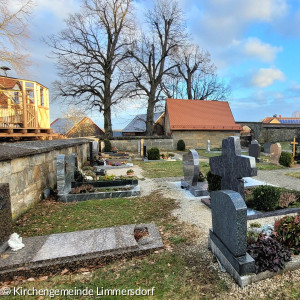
x=114 y=149
x=86 y=188
x=130 y=172
x=164 y=156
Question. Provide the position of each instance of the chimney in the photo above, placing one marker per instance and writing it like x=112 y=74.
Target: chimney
x=279 y=116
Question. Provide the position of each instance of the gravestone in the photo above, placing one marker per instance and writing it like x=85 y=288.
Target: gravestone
x=145 y=151
x=232 y=166
x=254 y=150
x=267 y=147
x=142 y=148
x=65 y=168
x=94 y=151
x=208 y=146
x=6 y=228
x=190 y=163
x=228 y=237
x=275 y=152
x=139 y=148
x=102 y=145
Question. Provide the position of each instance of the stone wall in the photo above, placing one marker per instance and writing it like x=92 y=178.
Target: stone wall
x=30 y=168
x=132 y=144
x=197 y=139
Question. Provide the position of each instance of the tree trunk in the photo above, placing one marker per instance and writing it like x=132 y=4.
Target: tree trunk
x=189 y=86
x=150 y=113
x=107 y=121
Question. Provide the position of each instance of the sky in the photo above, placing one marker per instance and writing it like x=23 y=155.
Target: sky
x=255 y=45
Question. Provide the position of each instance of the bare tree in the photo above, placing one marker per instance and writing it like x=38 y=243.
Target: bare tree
x=13 y=32
x=152 y=51
x=195 y=77
x=91 y=55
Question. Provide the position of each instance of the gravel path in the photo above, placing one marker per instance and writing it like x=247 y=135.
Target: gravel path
x=278 y=178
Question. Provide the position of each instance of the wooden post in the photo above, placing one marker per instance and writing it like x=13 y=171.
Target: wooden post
x=294 y=143
x=35 y=97
x=24 y=105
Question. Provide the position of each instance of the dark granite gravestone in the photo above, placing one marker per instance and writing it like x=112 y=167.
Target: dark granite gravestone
x=94 y=151
x=190 y=162
x=267 y=147
x=145 y=150
x=228 y=237
x=254 y=150
x=232 y=166
x=6 y=228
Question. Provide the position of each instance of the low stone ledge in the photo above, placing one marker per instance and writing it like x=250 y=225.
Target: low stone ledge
x=9 y=151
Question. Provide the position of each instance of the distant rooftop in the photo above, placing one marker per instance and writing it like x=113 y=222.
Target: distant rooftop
x=138 y=124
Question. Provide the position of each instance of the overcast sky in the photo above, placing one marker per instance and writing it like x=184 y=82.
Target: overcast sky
x=254 y=43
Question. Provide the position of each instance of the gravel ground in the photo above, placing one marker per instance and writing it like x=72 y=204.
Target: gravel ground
x=277 y=177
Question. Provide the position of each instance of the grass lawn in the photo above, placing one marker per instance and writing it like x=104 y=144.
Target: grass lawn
x=204 y=153
x=268 y=166
x=176 y=272
x=160 y=169
x=285 y=146
x=293 y=174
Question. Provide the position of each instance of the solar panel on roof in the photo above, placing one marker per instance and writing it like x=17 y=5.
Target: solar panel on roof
x=290 y=121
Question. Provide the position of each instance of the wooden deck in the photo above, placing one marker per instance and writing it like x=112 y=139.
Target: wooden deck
x=27 y=132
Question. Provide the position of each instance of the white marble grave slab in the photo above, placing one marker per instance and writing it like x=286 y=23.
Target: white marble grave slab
x=87 y=241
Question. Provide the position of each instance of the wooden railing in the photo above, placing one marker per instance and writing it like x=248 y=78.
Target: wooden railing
x=12 y=117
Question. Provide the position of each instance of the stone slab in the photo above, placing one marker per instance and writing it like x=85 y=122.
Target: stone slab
x=108 y=183
x=198 y=190
x=6 y=224
x=135 y=191
x=267 y=147
x=242 y=265
x=45 y=254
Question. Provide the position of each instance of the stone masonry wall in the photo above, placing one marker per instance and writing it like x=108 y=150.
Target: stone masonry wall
x=132 y=145
x=197 y=139
x=29 y=175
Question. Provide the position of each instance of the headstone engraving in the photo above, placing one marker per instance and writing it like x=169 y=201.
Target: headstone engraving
x=6 y=228
x=254 y=150
x=267 y=147
x=190 y=163
x=228 y=237
x=232 y=166
x=208 y=146
x=275 y=152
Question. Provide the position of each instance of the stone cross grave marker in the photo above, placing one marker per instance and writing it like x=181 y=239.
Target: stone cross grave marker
x=294 y=143
x=228 y=237
x=275 y=152
x=254 y=150
x=6 y=228
x=232 y=166
x=267 y=146
x=208 y=146
x=190 y=162
x=65 y=168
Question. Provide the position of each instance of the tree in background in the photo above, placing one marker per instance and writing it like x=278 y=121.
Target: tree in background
x=152 y=51
x=13 y=32
x=91 y=56
x=195 y=76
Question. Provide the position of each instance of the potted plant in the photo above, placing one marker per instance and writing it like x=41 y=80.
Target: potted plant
x=130 y=172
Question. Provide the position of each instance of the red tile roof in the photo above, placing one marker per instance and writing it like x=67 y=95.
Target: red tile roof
x=7 y=83
x=200 y=114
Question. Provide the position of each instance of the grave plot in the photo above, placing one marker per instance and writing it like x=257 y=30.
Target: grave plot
x=233 y=167
x=230 y=243
x=191 y=172
x=69 y=190
x=52 y=253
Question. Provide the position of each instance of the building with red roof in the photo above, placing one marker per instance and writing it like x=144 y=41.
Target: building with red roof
x=196 y=121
